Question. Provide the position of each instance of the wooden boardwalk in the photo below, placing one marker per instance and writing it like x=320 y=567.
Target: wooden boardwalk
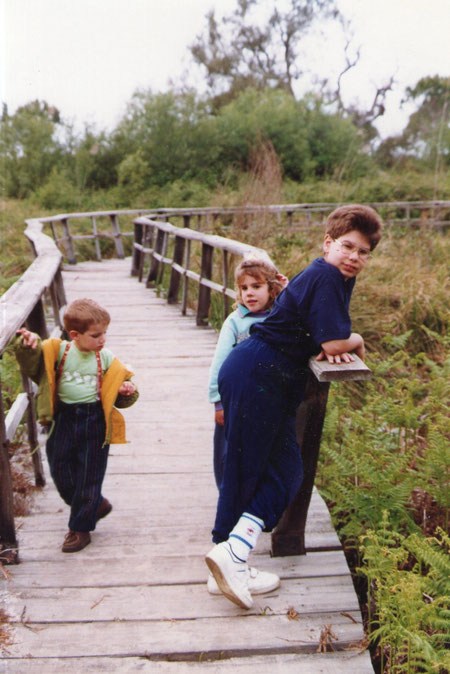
x=135 y=599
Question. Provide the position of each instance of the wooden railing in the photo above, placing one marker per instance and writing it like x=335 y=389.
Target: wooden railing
x=99 y=227
x=37 y=301
x=154 y=239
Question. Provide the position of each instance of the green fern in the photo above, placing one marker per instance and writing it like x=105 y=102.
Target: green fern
x=412 y=622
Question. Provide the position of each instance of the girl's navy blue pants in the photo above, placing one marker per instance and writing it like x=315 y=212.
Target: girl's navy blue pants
x=260 y=390
x=77 y=458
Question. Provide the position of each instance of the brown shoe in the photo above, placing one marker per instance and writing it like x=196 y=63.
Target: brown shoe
x=104 y=509
x=76 y=540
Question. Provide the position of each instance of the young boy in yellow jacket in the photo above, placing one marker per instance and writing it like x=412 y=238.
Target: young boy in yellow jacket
x=80 y=385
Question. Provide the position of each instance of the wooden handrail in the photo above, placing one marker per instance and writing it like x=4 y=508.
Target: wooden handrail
x=23 y=304
x=157 y=234
x=431 y=213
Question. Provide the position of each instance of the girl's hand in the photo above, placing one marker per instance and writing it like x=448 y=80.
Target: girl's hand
x=127 y=388
x=29 y=338
x=281 y=278
x=219 y=418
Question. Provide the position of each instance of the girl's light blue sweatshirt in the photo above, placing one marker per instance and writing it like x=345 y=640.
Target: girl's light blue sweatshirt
x=235 y=329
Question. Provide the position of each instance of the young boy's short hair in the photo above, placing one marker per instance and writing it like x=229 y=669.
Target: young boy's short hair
x=355 y=216
x=260 y=269
x=81 y=314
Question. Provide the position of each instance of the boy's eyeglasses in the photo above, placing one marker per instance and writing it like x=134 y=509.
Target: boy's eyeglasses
x=348 y=248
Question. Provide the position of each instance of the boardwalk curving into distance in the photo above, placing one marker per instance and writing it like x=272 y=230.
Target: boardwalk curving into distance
x=135 y=599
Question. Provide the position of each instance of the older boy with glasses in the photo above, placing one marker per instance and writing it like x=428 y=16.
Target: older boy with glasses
x=262 y=382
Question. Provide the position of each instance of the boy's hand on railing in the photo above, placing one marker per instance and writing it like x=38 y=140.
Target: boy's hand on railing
x=29 y=338
x=340 y=350
x=338 y=358
x=127 y=388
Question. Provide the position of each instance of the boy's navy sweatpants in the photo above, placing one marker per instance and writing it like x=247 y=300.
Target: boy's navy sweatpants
x=77 y=460
x=220 y=448
x=260 y=390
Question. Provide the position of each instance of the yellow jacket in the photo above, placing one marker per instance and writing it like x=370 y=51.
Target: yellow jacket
x=39 y=364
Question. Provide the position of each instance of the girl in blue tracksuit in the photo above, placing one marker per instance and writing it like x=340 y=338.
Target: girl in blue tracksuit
x=257 y=285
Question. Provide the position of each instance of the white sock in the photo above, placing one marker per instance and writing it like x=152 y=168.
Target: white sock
x=243 y=537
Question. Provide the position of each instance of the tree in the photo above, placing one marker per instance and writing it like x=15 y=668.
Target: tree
x=363 y=119
x=172 y=135
x=427 y=134
x=29 y=147
x=428 y=129
x=96 y=160
x=238 y=53
x=307 y=140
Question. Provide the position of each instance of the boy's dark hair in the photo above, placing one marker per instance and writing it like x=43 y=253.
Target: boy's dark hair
x=355 y=216
x=260 y=269
x=81 y=314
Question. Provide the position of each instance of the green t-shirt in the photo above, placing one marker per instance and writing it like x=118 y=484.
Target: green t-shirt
x=78 y=382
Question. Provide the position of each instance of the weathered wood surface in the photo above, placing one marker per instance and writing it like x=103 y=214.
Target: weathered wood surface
x=136 y=599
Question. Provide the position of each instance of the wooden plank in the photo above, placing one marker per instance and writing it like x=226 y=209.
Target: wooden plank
x=133 y=567
x=325 y=371
x=179 y=602
x=317 y=663
x=15 y=414
x=185 y=639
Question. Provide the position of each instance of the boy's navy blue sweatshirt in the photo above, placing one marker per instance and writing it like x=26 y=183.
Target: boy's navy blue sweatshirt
x=312 y=309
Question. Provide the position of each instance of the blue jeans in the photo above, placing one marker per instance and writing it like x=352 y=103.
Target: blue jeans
x=260 y=390
x=77 y=460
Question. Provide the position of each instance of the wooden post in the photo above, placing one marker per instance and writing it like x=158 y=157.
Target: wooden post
x=55 y=236
x=204 y=293
x=226 y=299
x=59 y=289
x=117 y=235
x=96 y=240
x=137 y=257
x=154 y=264
x=8 y=541
x=289 y=536
x=36 y=320
x=162 y=264
x=407 y=213
x=187 y=259
x=174 y=284
x=53 y=290
x=33 y=439
x=70 y=252
x=178 y=254
x=147 y=242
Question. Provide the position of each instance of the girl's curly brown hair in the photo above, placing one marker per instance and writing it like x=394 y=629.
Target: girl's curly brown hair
x=261 y=269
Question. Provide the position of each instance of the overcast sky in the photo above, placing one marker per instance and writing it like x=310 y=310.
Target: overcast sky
x=87 y=57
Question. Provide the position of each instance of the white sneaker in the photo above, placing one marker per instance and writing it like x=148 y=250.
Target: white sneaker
x=231 y=576
x=259 y=582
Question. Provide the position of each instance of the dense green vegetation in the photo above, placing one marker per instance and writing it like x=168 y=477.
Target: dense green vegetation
x=385 y=462
x=175 y=139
